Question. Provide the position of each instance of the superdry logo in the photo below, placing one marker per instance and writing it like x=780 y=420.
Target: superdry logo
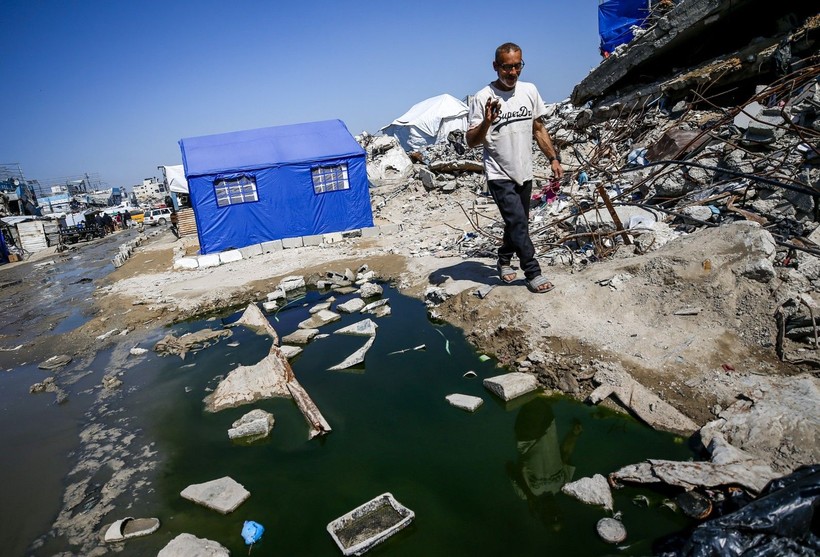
x=506 y=118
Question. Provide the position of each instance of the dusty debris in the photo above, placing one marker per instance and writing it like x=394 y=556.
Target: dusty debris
x=191 y=342
x=646 y=405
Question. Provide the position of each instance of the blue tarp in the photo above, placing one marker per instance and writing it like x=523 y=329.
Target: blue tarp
x=4 y=250
x=615 y=17
x=280 y=161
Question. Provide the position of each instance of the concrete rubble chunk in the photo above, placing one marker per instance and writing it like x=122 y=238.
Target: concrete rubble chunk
x=592 y=491
x=256 y=424
x=223 y=495
x=270 y=307
x=351 y=306
x=319 y=319
x=511 y=385
x=255 y=320
x=300 y=336
x=382 y=311
x=278 y=294
x=371 y=307
x=647 y=406
x=289 y=351
x=366 y=327
x=316 y=422
x=369 y=289
x=290 y=283
x=465 y=402
x=247 y=384
x=356 y=358
x=55 y=362
x=188 y=545
x=319 y=307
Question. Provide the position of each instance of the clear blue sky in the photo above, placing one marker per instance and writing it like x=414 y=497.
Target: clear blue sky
x=109 y=87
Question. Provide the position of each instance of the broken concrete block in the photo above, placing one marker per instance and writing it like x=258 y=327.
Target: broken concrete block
x=382 y=311
x=254 y=425
x=185 y=545
x=428 y=179
x=210 y=260
x=611 y=530
x=760 y=270
x=319 y=319
x=356 y=358
x=592 y=491
x=745 y=116
x=366 y=327
x=186 y=263
x=230 y=256
x=247 y=384
x=292 y=242
x=351 y=306
x=251 y=251
x=300 y=336
x=273 y=245
x=465 y=402
x=319 y=307
x=369 y=289
x=278 y=294
x=289 y=351
x=511 y=385
x=313 y=240
x=255 y=320
x=290 y=283
x=223 y=495
x=371 y=307
x=270 y=307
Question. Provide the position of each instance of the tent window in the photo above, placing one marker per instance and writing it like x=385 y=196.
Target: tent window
x=233 y=191
x=330 y=178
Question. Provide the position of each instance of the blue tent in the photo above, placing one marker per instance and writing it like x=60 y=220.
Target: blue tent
x=253 y=186
x=616 y=17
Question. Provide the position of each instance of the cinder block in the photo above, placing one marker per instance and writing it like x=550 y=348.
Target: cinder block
x=370 y=232
x=313 y=240
x=292 y=242
x=187 y=263
x=210 y=260
x=332 y=237
x=273 y=245
x=251 y=251
x=230 y=256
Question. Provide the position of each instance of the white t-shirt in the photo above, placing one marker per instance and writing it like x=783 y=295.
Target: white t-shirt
x=508 y=145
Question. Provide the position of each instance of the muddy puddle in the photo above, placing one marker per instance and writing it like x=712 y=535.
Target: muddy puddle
x=486 y=483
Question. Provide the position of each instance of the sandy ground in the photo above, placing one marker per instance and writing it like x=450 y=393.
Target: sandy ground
x=619 y=312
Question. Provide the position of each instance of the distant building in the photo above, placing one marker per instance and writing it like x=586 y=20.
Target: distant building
x=151 y=190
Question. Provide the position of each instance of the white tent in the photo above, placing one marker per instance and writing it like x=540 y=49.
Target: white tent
x=428 y=122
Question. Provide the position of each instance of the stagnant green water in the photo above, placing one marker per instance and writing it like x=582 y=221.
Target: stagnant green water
x=486 y=483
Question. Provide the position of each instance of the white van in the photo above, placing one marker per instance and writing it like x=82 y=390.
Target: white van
x=158 y=216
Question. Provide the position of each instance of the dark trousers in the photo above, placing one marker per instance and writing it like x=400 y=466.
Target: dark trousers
x=513 y=202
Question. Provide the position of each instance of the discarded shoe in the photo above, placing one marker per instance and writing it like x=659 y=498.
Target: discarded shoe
x=504 y=270
x=129 y=527
x=540 y=285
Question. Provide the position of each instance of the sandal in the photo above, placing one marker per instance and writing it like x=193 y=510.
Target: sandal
x=540 y=285
x=504 y=270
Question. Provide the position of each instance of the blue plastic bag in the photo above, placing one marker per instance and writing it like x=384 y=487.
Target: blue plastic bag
x=252 y=532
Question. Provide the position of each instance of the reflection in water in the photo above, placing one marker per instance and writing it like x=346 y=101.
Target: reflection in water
x=543 y=465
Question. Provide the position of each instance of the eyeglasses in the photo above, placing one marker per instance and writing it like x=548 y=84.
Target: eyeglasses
x=511 y=67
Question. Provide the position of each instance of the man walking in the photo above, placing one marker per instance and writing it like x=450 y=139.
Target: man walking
x=504 y=117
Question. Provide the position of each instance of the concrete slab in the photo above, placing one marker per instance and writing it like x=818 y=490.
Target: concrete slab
x=370 y=232
x=332 y=237
x=365 y=327
x=292 y=242
x=273 y=245
x=351 y=306
x=185 y=545
x=314 y=240
x=300 y=336
x=371 y=307
x=210 y=260
x=230 y=256
x=251 y=251
x=186 y=263
x=511 y=385
x=256 y=424
x=319 y=319
x=271 y=306
x=290 y=351
x=465 y=402
x=319 y=307
x=223 y=495
x=292 y=282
